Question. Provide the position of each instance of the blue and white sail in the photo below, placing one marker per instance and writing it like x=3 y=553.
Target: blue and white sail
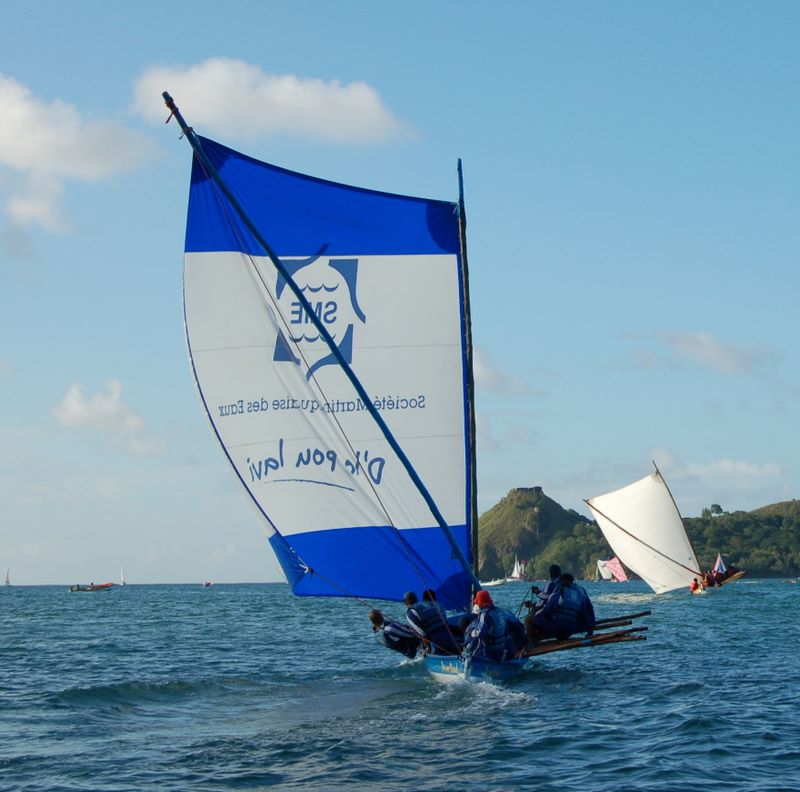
x=383 y=274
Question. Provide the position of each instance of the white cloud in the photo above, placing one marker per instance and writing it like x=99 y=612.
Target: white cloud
x=235 y=99
x=707 y=351
x=109 y=414
x=732 y=471
x=45 y=144
x=491 y=377
x=718 y=479
x=702 y=349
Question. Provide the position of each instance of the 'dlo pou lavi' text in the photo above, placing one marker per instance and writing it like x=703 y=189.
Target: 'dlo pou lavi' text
x=308 y=458
x=311 y=406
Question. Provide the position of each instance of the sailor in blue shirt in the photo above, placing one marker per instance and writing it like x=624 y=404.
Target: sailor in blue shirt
x=568 y=610
x=488 y=634
x=427 y=620
x=549 y=589
x=394 y=635
x=553 y=583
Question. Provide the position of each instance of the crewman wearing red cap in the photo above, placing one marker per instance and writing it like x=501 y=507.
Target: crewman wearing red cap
x=489 y=634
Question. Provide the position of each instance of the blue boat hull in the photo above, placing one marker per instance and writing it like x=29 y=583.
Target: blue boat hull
x=452 y=668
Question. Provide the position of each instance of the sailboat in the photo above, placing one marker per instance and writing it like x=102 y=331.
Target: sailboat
x=727 y=575
x=8 y=577
x=617 y=571
x=334 y=363
x=518 y=571
x=121 y=574
x=603 y=572
x=642 y=524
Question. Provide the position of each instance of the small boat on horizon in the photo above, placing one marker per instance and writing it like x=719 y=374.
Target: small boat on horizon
x=92 y=587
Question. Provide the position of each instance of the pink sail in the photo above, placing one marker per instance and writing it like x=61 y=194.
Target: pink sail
x=614 y=566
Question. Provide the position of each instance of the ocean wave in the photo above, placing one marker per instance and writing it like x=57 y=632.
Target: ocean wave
x=133 y=693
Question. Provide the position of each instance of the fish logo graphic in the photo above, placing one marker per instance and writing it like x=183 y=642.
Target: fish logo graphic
x=329 y=285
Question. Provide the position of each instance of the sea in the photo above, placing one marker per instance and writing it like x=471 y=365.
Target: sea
x=186 y=687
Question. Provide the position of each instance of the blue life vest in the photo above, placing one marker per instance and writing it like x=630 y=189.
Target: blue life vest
x=497 y=618
x=430 y=617
x=569 y=609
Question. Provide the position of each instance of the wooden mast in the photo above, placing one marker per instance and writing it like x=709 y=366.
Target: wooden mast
x=473 y=468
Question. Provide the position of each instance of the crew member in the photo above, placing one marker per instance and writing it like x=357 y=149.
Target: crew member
x=487 y=635
x=567 y=611
x=427 y=620
x=394 y=635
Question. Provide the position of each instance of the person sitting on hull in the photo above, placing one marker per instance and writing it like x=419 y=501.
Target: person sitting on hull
x=549 y=589
x=427 y=620
x=554 y=582
x=488 y=633
x=394 y=635
x=567 y=611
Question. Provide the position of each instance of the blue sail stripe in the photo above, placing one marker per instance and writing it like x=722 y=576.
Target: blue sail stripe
x=371 y=562
x=279 y=202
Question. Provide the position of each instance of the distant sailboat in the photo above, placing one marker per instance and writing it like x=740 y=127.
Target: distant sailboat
x=121 y=574
x=642 y=524
x=518 y=572
x=728 y=575
x=8 y=577
x=618 y=573
x=603 y=572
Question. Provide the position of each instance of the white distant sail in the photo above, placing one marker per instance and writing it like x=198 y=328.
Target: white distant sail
x=121 y=575
x=8 y=577
x=603 y=571
x=518 y=572
x=644 y=528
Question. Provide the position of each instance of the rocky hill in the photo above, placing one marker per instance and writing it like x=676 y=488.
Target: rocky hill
x=529 y=525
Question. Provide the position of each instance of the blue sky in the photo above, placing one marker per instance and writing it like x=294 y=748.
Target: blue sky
x=632 y=194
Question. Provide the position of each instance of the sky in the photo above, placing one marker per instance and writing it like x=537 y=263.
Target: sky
x=632 y=181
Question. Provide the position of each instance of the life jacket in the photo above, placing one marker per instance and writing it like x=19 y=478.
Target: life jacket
x=497 y=618
x=569 y=609
x=430 y=617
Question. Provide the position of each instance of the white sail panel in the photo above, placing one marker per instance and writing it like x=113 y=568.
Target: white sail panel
x=283 y=432
x=645 y=530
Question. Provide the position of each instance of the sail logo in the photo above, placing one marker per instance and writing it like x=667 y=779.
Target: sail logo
x=329 y=285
